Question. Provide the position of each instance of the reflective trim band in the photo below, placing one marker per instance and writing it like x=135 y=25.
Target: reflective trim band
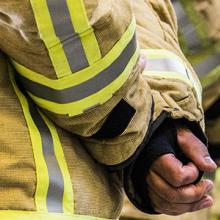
x=165 y=64
x=188 y=30
x=56 y=185
x=27 y=215
x=67 y=52
x=69 y=39
x=86 y=32
x=88 y=88
x=67 y=200
x=208 y=65
x=54 y=192
x=158 y=65
x=41 y=167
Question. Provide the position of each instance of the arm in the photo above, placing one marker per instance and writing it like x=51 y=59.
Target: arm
x=86 y=76
x=176 y=95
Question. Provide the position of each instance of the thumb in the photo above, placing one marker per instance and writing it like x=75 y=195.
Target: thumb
x=195 y=150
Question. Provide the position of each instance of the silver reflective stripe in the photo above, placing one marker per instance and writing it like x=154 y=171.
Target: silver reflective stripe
x=186 y=27
x=208 y=65
x=69 y=39
x=56 y=182
x=166 y=65
x=90 y=87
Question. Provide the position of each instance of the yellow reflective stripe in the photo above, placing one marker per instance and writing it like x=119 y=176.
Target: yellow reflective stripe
x=85 y=74
x=82 y=26
x=68 y=197
x=48 y=35
x=28 y=215
x=166 y=69
x=100 y=97
x=41 y=167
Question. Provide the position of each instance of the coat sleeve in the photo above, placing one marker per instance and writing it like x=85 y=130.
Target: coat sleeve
x=83 y=71
x=176 y=93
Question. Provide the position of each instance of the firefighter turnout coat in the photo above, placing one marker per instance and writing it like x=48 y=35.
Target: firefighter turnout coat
x=76 y=101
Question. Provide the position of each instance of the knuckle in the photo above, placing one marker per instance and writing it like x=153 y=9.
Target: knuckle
x=178 y=178
x=198 y=194
x=194 y=194
x=172 y=197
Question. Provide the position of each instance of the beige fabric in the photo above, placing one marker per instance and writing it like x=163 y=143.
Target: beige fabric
x=17 y=176
x=93 y=185
x=173 y=95
x=96 y=192
x=156 y=29
x=21 y=41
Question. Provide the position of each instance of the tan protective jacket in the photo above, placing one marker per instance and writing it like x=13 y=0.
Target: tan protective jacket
x=78 y=70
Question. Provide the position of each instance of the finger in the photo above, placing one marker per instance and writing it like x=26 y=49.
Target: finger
x=164 y=207
x=195 y=150
x=186 y=194
x=174 y=172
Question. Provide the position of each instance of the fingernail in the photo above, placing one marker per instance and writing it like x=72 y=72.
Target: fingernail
x=205 y=205
x=209 y=187
x=209 y=160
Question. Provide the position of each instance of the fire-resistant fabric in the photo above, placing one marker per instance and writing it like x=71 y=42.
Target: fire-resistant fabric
x=91 y=57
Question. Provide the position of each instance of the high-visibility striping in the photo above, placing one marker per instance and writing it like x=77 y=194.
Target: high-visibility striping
x=85 y=74
x=50 y=39
x=54 y=189
x=70 y=40
x=207 y=65
x=82 y=26
x=56 y=184
x=90 y=102
x=68 y=203
x=91 y=86
x=168 y=65
x=41 y=167
x=88 y=88
x=186 y=27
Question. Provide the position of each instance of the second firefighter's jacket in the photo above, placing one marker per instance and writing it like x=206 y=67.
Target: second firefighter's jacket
x=199 y=30
x=76 y=64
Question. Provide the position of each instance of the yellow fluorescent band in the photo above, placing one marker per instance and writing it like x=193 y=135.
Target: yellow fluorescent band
x=85 y=74
x=68 y=197
x=48 y=35
x=100 y=97
x=82 y=26
x=41 y=167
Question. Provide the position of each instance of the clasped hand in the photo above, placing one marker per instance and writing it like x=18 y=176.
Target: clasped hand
x=170 y=183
